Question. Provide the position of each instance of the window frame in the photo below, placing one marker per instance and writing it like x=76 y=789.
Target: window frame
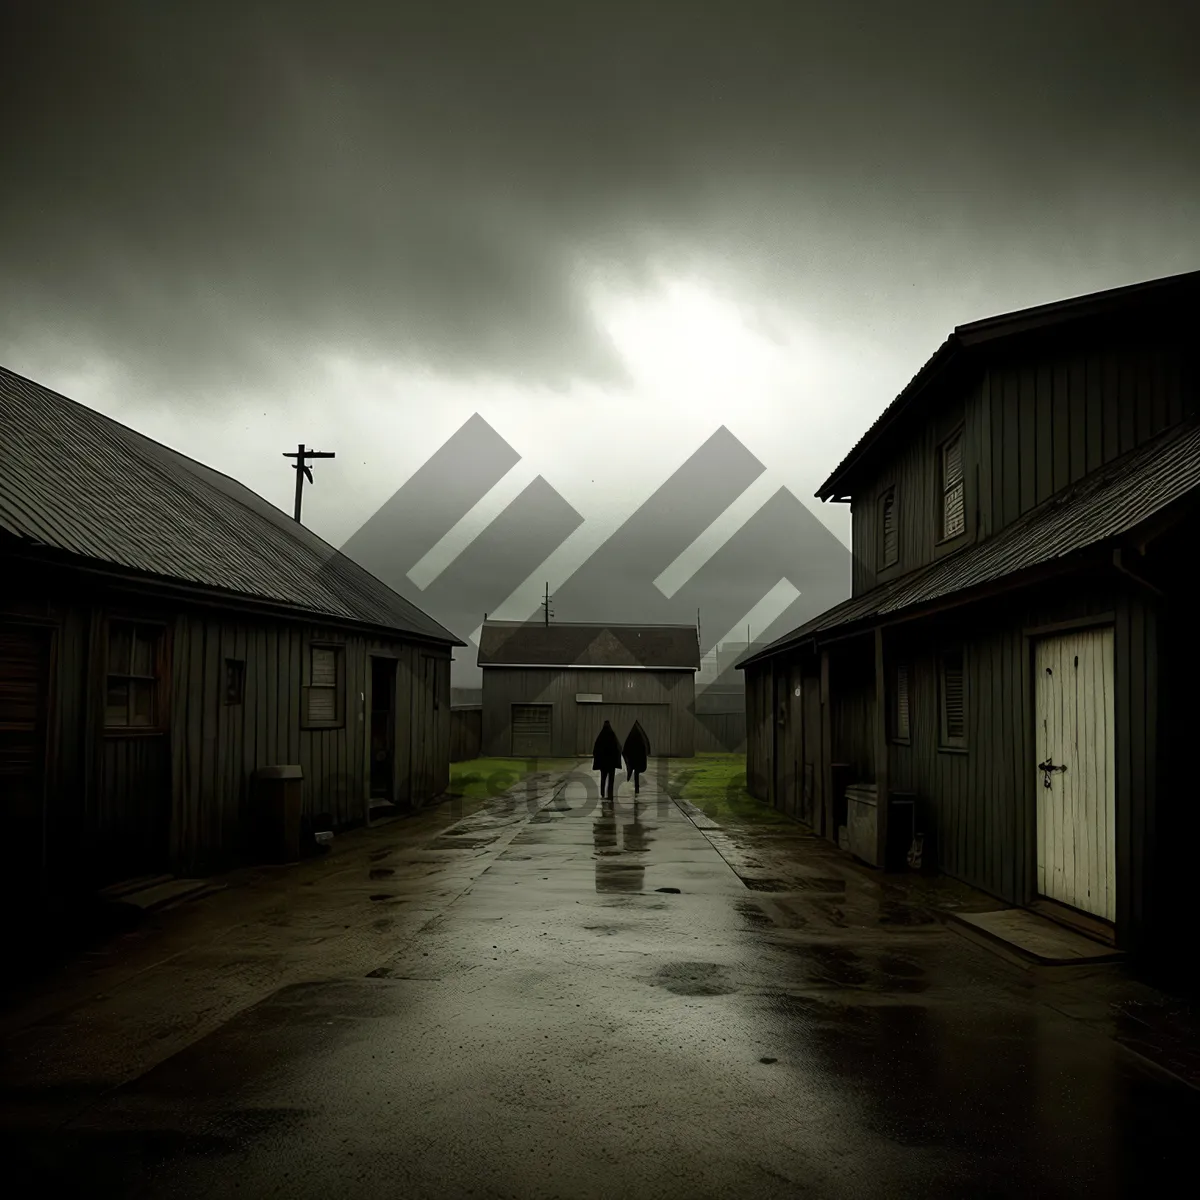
x=947 y=741
x=338 y=687
x=957 y=435
x=901 y=669
x=882 y=562
x=235 y=683
x=138 y=627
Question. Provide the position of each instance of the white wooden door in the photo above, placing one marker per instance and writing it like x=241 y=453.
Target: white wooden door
x=1076 y=780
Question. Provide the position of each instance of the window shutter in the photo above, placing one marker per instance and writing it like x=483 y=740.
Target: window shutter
x=902 y=710
x=953 y=490
x=324 y=667
x=322 y=705
x=891 y=535
x=953 y=699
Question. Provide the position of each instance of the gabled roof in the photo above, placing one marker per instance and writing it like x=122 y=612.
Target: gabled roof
x=534 y=644
x=77 y=482
x=1101 y=507
x=956 y=354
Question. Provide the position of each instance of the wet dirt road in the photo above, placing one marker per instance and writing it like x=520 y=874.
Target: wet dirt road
x=602 y=1007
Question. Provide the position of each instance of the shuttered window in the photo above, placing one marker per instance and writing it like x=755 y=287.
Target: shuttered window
x=953 y=700
x=531 y=728
x=954 y=513
x=889 y=533
x=132 y=699
x=901 y=710
x=323 y=693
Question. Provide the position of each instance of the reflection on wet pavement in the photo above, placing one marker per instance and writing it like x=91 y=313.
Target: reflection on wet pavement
x=604 y=1007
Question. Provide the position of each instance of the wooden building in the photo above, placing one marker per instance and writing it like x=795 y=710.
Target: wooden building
x=164 y=632
x=548 y=689
x=1014 y=674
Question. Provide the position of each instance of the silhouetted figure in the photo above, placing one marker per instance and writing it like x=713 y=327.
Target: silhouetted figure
x=636 y=751
x=606 y=758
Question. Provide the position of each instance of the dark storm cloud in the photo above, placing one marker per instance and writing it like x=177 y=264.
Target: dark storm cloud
x=209 y=190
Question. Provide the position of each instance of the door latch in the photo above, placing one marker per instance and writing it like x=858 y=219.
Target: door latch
x=1046 y=768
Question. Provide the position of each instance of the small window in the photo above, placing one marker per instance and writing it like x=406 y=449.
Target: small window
x=132 y=692
x=323 y=695
x=954 y=510
x=235 y=680
x=901 y=725
x=889 y=533
x=953 y=700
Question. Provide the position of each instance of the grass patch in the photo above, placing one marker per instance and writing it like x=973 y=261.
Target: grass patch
x=716 y=784
x=481 y=778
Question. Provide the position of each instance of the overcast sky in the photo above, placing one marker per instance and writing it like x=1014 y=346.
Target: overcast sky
x=607 y=227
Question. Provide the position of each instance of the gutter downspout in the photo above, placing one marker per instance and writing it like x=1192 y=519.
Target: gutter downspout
x=1119 y=566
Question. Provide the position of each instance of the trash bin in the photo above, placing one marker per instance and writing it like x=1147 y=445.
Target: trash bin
x=278 y=797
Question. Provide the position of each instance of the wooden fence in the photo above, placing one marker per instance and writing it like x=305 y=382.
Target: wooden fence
x=721 y=733
x=466 y=733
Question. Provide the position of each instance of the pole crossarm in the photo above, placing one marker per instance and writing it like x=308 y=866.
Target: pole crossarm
x=303 y=470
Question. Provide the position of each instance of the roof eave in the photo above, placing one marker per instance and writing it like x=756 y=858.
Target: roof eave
x=838 y=487
x=54 y=558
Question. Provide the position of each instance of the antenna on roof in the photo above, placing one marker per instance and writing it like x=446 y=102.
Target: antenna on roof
x=303 y=470
x=545 y=605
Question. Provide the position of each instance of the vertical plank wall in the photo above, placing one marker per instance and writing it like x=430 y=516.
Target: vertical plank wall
x=216 y=747
x=1035 y=421
x=504 y=687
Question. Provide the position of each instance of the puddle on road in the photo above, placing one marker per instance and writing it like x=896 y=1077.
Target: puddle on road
x=752 y=913
x=695 y=979
x=765 y=885
x=619 y=877
x=381 y=872
x=820 y=884
x=840 y=967
x=896 y=912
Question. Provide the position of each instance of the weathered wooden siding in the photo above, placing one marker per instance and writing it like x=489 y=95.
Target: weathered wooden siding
x=911 y=471
x=758 y=730
x=466 y=734
x=122 y=803
x=1035 y=421
x=721 y=733
x=218 y=746
x=1057 y=414
x=852 y=704
x=981 y=801
x=504 y=687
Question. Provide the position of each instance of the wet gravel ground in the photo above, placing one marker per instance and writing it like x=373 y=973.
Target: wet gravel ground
x=555 y=997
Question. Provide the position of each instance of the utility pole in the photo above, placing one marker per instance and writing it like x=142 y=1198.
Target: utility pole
x=300 y=466
x=546 y=606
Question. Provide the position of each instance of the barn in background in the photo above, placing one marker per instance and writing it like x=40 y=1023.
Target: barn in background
x=548 y=689
x=164 y=632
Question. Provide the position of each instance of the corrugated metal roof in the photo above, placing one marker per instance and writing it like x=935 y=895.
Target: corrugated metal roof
x=532 y=644
x=76 y=481
x=1104 y=505
x=1170 y=291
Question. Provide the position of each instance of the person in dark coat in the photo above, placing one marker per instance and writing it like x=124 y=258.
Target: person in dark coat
x=636 y=752
x=606 y=758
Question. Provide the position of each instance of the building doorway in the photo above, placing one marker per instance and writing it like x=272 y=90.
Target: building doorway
x=383 y=731
x=1076 y=775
